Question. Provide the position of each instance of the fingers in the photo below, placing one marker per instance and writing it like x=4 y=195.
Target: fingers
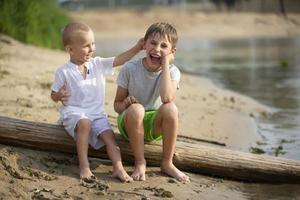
x=129 y=100
x=141 y=43
x=64 y=98
x=171 y=58
x=64 y=102
x=167 y=59
x=64 y=95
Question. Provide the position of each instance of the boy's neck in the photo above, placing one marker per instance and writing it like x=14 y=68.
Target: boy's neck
x=79 y=64
x=149 y=69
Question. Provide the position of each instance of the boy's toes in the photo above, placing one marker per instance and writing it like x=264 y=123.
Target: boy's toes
x=139 y=172
x=185 y=179
x=142 y=177
x=90 y=179
x=122 y=176
x=128 y=179
x=139 y=177
x=135 y=177
x=171 y=170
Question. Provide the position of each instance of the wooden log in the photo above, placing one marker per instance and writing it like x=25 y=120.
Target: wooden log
x=197 y=158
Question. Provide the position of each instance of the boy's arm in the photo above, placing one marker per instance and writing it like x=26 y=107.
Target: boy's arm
x=127 y=55
x=168 y=86
x=122 y=100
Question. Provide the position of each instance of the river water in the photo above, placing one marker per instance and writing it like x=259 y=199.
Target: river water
x=266 y=69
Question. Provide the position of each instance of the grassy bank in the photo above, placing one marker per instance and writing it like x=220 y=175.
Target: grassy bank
x=37 y=22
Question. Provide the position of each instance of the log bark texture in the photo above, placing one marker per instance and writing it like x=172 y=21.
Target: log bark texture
x=193 y=157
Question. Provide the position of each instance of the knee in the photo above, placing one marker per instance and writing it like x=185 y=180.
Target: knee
x=83 y=126
x=135 y=113
x=169 y=110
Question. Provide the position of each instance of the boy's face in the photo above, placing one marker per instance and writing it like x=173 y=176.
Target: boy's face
x=157 y=46
x=82 y=47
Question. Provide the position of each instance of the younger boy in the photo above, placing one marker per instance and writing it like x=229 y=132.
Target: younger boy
x=144 y=100
x=80 y=85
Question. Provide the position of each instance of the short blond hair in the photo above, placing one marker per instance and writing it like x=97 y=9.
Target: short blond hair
x=162 y=28
x=71 y=30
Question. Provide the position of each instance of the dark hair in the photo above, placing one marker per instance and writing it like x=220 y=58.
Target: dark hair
x=162 y=28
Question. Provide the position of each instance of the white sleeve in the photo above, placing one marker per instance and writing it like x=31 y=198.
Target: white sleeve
x=175 y=74
x=106 y=65
x=59 y=80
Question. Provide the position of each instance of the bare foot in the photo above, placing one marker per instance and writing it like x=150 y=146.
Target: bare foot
x=171 y=170
x=122 y=175
x=139 y=172
x=85 y=173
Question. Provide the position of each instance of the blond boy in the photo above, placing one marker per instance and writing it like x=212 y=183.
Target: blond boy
x=80 y=85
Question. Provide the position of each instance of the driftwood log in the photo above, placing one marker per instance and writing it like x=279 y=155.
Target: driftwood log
x=192 y=157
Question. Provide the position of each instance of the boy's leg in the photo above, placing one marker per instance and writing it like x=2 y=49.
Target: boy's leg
x=83 y=128
x=166 y=122
x=114 y=154
x=134 y=127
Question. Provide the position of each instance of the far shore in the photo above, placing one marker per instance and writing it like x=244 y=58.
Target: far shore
x=124 y=23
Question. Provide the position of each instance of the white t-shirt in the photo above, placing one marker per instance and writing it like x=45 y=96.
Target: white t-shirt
x=142 y=84
x=87 y=95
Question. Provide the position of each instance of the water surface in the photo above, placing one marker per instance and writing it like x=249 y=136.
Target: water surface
x=265 y=69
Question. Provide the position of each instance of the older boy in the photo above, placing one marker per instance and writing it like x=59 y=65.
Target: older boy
x=80 y=85
x=144 y=100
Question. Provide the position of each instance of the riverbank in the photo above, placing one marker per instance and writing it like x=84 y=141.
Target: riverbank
x=123 y=23
x=206 y=111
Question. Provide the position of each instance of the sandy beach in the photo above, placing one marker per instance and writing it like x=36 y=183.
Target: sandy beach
x=206 y=112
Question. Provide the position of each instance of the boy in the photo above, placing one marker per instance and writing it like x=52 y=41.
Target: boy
x=149 y=84
x=80 y=85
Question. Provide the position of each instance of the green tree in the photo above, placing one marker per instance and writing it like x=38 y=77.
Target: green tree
x=38 y=22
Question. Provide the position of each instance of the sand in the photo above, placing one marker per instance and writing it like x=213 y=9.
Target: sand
x=206 y=111
x=190 y=23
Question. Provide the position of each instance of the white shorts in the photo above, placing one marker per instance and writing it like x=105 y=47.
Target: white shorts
x=99 y=125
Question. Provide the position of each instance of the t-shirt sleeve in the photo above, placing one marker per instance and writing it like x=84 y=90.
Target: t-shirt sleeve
x=106 y=65
x=123 y=77
x=59 y=80
x=175 y=75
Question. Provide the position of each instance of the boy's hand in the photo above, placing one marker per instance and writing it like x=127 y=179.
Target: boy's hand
x=129 y=100
x=167 y=59
x=63 y=95
x=140 y=44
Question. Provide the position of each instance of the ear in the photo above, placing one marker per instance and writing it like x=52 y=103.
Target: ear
x=173 y=50
x=68 y=48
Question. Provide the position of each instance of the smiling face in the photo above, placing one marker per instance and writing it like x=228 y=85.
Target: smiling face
x=81 y=47
x=156 y=47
